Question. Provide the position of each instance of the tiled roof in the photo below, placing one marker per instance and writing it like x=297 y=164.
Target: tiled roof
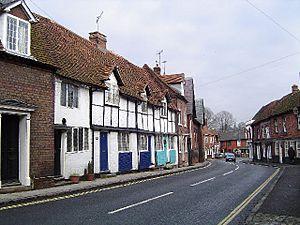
x=5 y=3
x=76 y=57
x=237 y=134
x=160 y=89
x=173 y=78
x=277 y=107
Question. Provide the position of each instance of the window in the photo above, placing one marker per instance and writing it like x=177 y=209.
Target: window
x=258 y=133
x=185 y=119
x=158 y=142
x=69 y=95
x=206 y=140
x=112 y=94
x=142 y=142
x=77 y=139
x=171 y=142
x=267 y=130
x=17 y=35
x=123 y=141
x=284 y=124
x=298 y=122
x=276 y=126
x=238 y=143
x=86 y=138
x=276 y=148
x=179 y=118
x=228 y=143
x=298 y=149
x=144 y=107
x=164 y=109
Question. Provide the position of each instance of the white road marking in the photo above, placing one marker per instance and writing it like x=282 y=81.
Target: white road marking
x=140 y=203
x=228 y=173
x=237 y=167
x=201 y=182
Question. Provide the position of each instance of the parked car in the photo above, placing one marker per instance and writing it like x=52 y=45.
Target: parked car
x=219 y=155
x=230 y=157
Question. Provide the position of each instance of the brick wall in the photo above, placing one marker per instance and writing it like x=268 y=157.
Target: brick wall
x=34 y=86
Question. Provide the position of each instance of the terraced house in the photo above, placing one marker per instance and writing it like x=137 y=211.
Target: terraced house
x=276 y=128
x=72 y=101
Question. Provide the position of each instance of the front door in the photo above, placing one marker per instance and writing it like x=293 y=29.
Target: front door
x=57 y=152
x=9 y=148
x=103 y=151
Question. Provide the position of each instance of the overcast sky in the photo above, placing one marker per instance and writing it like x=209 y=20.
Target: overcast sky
x=209 y=40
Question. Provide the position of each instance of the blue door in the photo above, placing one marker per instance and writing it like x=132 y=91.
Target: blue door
x=145 y=157
x=103 y=152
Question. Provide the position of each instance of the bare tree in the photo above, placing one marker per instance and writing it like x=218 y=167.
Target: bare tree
x=209 y=117
x=223 y=121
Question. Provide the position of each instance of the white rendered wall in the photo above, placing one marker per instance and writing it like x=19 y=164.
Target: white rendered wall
x=123 y=114
x=97 y=108
x=113 y=154
x=75 y=116
x=133 y=148
x=131 y=116
x=97 y=151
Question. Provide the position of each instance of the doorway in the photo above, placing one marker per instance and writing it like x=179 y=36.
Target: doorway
x=57 y=152
x=9 y=148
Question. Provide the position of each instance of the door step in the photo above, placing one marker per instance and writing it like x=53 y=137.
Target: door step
x=13 y=188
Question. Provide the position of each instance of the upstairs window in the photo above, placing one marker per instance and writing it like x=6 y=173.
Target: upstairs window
x=112 y=94
x=123 y=141
x=17 y=35
x=284 y=124
x=185 y=119
x=164 y=109
x=144 y=104
x=179 y=118
x=276 y=126
x=69 y=95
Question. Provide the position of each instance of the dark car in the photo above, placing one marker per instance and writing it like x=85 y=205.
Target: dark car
x=230 y=157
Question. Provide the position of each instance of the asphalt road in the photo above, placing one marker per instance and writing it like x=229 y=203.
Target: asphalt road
x=204 y=196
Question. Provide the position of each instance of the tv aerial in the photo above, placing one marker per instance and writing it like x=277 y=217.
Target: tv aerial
x=98 y=19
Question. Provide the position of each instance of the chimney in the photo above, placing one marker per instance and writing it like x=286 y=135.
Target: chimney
x=157 y=69
x=295 y=88
x=98 y=39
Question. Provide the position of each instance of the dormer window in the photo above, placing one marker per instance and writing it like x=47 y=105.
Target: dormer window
x=112 y=94
x=17 y=35
x=164 y=108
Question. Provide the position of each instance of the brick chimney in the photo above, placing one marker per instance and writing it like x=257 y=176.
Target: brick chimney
x=98 y=39
x=157 y=69
x=295 y=88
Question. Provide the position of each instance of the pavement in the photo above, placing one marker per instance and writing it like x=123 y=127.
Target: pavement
x=281 y=206
x=27 y=196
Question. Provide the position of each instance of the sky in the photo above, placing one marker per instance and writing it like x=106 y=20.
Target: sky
x=242 y=54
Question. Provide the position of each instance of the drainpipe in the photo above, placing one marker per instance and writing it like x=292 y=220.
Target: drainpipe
x=91 y=124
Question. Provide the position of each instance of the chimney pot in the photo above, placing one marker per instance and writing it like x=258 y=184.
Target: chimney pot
x=157 y=69
x=295 y=88
x=98 y=39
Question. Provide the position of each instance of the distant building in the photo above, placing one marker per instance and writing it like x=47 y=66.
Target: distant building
x=276 y=128
x=210 y=142
x=234 y=141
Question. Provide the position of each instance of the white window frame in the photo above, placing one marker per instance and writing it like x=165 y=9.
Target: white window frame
x=284 y=124
x=82 y=142
x=298 y=149
x=112 y=96
x=159 y=142
x=179 y=118
x=123 y=141
x=164 y=109
x=142 y=142
x=65 y=99
x=276 y=125
x=277 y=148
x=185 y=119
x=5 y=39
x=298 y=117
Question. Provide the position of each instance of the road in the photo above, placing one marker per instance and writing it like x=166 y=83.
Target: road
x=203 y=196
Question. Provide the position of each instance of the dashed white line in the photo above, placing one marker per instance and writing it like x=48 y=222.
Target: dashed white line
x=228 y=173
x=237 y=168
x=201 y=182
x=140 y=203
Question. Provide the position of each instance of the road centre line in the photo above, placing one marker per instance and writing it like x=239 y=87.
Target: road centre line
x=140 y=203
x=237 y=167
x=201 y=182
x=228 y=173
x=241 y=206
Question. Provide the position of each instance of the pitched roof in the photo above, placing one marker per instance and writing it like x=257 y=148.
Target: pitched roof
x=278 y=107
x=206 y=130
x=5 y=3
x=173 y=78
x=231 y=135
x=76 y=57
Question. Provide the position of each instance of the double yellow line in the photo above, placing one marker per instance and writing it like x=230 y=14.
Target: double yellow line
x=241 y=206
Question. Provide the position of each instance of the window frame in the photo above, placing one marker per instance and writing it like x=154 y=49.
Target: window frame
x=17 y=35
x=112 y=94
x=142 y=145
x=123 y=142
x=78 y=139
x=69 y=95
x=284 y=128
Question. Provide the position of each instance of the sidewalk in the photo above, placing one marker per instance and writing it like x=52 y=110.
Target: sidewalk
x=282 y=204
x=18 y=197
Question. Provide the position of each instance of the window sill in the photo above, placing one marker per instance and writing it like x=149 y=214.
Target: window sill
x=78 y=152
x=111 y=104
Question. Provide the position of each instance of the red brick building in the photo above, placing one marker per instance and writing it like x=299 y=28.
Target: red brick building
x=210 y=141
x=276 y=128
x=26 y=105
x=234 y=141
